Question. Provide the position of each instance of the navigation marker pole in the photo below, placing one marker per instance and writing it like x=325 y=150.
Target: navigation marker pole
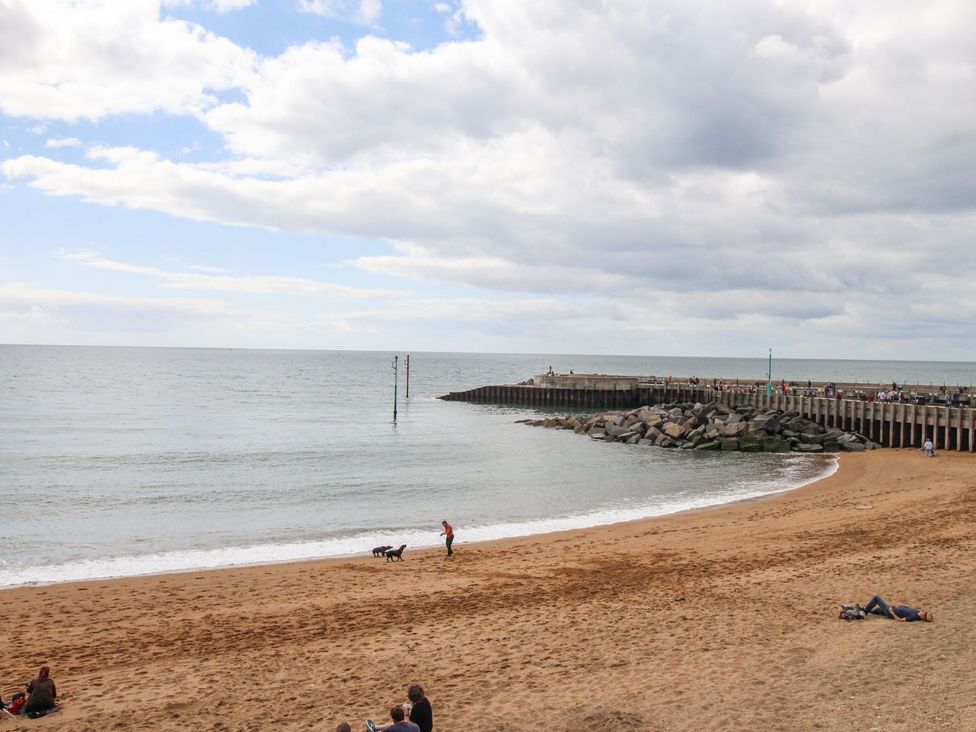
x=769 y=375
x=395 y=370
x=408 y=376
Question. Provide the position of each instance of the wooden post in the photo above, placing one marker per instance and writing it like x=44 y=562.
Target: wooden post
x=946 y=444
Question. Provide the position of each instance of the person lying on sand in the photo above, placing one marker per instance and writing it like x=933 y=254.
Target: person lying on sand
x=41 y=694
x=906 y=614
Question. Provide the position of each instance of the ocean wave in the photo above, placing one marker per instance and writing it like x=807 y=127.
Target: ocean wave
x=796 y=475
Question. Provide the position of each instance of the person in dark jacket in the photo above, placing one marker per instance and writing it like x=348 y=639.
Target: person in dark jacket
x=907 y=614
x=41 y=694
x=420 y=713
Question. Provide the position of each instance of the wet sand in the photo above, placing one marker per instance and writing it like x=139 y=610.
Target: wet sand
x=724 y=618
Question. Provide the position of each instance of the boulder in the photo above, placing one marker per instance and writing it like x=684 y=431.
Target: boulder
x=775 y=444
x=729 y=443
x=811 y=438
x=852 y=446
x=750 y=443
x=633 y=439
x=675 y=430
x=733 y=430
x=669 y=443
x=645 y=442
x=676 y=413
x=710 y=445
x=808 y=447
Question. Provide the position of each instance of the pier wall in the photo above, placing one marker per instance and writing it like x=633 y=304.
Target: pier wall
x=889 y=424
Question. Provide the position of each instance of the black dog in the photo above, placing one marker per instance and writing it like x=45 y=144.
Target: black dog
x=397 y=553
x=379 y=551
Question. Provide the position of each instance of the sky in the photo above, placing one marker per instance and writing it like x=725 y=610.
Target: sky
x=554 y=176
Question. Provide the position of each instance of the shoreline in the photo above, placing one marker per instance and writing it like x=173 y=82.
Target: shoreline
x=708 y=619
x=831 y=468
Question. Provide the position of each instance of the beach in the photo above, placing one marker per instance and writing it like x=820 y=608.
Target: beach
x=724 y=618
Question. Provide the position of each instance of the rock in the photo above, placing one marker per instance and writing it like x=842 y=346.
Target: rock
x=652 y=433
x=674 y=430
x=811 y=438
x=733 y=430
x=597 y=434
x=632 y=440
x=617 y=430
x=750 y=443
x=852 y=446
x=729 y=443
x=808 y=447
x=645 y=442
x=831 y=445
x=710 y=445
x=668 y=442
x=676 y=413
x=775 y=444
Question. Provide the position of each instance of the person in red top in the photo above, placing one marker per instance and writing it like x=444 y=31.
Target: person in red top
x=449 y=533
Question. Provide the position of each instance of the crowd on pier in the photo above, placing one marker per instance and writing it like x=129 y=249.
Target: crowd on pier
x=958 y=396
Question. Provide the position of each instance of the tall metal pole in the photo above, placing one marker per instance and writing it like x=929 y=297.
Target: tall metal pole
x=769 y=374
x=408 y=376
x=395 y=370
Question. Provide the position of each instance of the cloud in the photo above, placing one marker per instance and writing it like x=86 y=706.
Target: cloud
x=63 y=142
x=206 y=278
x=364 y=12
x=218 y=6
x=755 y=164
x=72 y=61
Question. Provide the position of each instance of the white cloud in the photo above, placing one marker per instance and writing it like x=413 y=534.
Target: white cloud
x=218 y=6
x=206 y=278
x=755 y=164
x=63 y=142
x=364 y=12
x=74 y=60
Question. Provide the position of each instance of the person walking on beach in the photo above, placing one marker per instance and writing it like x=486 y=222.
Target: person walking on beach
x=449 y=533
x=929 y=447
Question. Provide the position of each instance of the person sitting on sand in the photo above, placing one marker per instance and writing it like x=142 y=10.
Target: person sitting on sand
x=41 y=694
x=399 y=724
x=904 y=613
x=929 y=447
x=420 y=713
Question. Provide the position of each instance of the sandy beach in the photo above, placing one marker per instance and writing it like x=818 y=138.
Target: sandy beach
x=718 y=619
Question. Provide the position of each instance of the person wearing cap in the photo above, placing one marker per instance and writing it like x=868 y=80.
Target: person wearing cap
x=904 y=613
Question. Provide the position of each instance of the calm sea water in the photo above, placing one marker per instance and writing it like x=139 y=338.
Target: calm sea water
x=123 y=461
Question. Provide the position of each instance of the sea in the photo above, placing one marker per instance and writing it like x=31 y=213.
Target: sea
x=129 y=461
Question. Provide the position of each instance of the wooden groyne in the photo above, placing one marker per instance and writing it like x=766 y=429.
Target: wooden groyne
x=890 y=424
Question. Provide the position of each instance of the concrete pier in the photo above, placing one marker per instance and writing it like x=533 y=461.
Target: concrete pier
x=890 y=424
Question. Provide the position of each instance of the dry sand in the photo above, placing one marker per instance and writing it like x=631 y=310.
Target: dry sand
x=718 y=619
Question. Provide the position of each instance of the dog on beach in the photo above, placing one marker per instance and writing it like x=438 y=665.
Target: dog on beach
x=379 y=551
x=397 y=554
